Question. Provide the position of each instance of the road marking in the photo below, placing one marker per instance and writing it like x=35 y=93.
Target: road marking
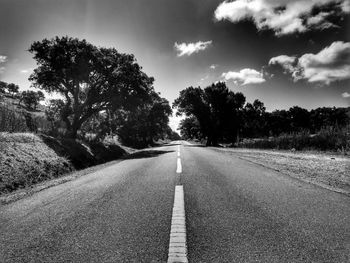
x=177 y=244
x=179 y=166
x=178 y=154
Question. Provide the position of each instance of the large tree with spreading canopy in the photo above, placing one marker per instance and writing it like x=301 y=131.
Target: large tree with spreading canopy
x=90 y=79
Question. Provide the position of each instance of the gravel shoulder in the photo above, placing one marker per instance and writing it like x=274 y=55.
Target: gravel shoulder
x=326 y=170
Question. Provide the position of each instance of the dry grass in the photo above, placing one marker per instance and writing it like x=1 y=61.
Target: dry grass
x=25 y=160
x=327 y=170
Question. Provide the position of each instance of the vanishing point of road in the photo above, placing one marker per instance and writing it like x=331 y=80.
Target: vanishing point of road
x=178 y=203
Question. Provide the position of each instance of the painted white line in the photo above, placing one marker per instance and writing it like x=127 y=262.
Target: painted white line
x=177 y=244
x=179 y=166
x=178 y=154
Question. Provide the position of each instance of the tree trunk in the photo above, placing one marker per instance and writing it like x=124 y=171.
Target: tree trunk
x=72 y=132
x=209 y=141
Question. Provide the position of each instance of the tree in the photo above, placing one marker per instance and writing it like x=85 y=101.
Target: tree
x=300 y=119
x=217 y=109
x=146 y=123
x=31 y=98
x=12 y=88
x=254 y=118
x=89 y=78
x=53 y=111
x=190 y=128
x=278 y=122
x=3 y=86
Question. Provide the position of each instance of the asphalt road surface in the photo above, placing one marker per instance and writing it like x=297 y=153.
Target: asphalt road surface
x=235 y=211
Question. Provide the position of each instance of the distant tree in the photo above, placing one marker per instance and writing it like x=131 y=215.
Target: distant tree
x=299 y=118
x=146 y=123
x=90 y=79
x=217 y=109
x=172 y=135
x=254 y=118
x=31 y=98
x=3 y=86
x=278 y=122
x=328 y=117
x=53 y=110
x=190 y=128
x=12 y=88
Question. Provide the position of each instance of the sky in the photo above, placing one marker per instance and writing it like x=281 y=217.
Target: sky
x=282 y=52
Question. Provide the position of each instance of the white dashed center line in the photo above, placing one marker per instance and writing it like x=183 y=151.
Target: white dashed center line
x=179 y=166
x=177 y=243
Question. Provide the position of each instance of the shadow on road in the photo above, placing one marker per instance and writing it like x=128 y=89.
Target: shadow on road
x=195 y=145
x=145 y=154
x=169 y=144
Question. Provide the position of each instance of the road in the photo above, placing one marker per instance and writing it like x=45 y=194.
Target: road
x=235 y=211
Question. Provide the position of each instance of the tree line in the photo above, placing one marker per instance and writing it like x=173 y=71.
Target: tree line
x=99 y=91
x=218 y=114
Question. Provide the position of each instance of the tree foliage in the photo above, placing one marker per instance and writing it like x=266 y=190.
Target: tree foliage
x=216 y=108
x=145 y=123
x=32 y=98
x=90 y=79
x=190 y=128
x=215 y=113
x=12 y=88
x=3 y=86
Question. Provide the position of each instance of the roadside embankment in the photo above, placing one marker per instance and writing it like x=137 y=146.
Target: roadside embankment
x=27 y=159
x=323 y=169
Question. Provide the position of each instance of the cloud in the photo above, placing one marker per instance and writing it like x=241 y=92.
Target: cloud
x=25 y=71
x=283 y=16
x=213 y=66
x=286 y=62
x=191 y=48
x=346 y=95
x=3 y=59
x=204 y=78
x=330 y=64
x=244 y=76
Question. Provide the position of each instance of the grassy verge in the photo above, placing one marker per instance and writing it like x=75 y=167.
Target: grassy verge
x=27 y=159
x=326 y=170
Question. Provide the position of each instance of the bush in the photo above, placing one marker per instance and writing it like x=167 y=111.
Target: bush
x=328 y=139
x=11 y=120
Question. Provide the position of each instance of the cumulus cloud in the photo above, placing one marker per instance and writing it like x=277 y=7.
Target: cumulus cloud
x=204 y=78
x=345 y=95
x=3 y=59
x=213 y=66
x=244 y=76
x=330 y=64
x=25 y=71
x=191 y=48
x=288 y=63
x=283 y=16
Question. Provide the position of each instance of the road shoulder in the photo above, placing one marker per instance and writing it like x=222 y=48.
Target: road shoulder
x=325 y=170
